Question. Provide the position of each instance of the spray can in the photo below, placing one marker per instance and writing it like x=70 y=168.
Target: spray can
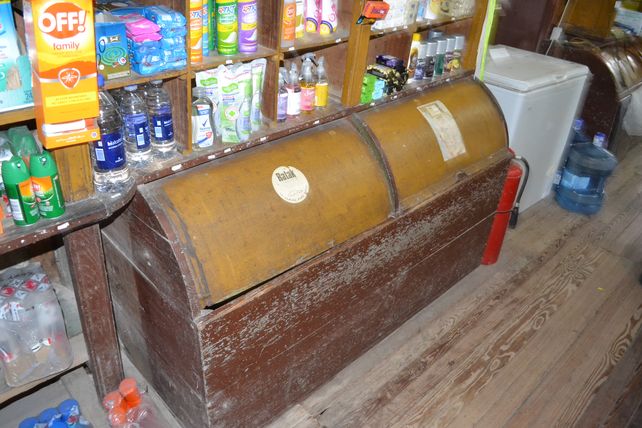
x=206 y=29
x=248 y=34
x=46 y=185
x=196 y=31
x=227 y=27
x=17 y=184
x=211 y=26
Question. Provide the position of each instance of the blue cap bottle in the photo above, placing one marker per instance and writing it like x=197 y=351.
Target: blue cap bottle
x=48 y=415
x=28 y=423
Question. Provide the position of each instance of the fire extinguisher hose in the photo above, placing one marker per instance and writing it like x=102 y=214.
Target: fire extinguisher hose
x=514 y=215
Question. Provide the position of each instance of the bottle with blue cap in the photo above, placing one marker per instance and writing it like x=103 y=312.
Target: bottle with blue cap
x=70 y=415
x=28 y=423
x=47 y=417
x=133 y=111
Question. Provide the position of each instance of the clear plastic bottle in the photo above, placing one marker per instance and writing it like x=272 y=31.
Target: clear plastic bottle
x=203 y=130
x=282 y=108
x=159 y=108
x=135 y=126
x=294 y=92
x=308 y=85
x=321 y=89
x=108 y=154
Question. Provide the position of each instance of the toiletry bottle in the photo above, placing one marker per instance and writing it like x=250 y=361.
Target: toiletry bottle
x=414 y=52
x=248 y=32
x=449 y=56
x=440 y=56
x=321 y=90
x=308 y=84
x=227 y=27
x=431 y=56
x=282 y=107
x=457 y=53
x=294 y=92
x=299 y=24
x=203 y=130
x=420 y=70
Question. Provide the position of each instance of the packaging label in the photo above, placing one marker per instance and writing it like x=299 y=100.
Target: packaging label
x=289 y=21
x=163 y=125
x=294 y=102
x=137 y=129
x=307 y=99
x=290 y=184
x=575 y=182
x=445 y=128
x=110 y=151
x=227 y=28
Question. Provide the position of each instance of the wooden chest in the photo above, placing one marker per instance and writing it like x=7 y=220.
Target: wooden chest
x=239 y=286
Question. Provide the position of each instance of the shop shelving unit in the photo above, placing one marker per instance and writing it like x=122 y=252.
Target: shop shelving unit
x=347 y=53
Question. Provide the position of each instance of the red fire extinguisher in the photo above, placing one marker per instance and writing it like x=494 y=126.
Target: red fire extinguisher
x=507 y=210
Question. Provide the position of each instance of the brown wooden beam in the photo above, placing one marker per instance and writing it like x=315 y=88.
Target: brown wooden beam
x=87 y=265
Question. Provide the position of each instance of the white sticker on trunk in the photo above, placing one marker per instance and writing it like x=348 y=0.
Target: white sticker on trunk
x=290 y=184
x=445 y=128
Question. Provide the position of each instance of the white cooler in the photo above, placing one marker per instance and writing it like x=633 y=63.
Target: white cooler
x=540 y=97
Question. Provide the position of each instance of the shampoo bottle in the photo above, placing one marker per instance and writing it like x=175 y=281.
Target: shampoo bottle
x=308 y=85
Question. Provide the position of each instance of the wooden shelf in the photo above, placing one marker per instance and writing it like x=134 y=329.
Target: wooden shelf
x=79 y=352
x=379 y=33
x=216 y=60
x=77 y=215
x=440 y=22
x=14 y=116
x=137 y=79
x=314 y=41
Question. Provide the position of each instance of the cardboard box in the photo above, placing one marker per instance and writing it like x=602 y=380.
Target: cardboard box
x=61 y=44
x=111 y=47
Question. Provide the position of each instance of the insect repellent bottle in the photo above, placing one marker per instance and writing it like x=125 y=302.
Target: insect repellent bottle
x=308 y=84
x=46 y=185
x=321 y=90
x=17 y=184
x=294 y=92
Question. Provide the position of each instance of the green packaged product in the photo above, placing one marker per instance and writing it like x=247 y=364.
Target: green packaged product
x=46 y=185
x=22 y=199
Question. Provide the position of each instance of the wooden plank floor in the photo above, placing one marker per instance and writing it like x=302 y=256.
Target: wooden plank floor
x=549 y=336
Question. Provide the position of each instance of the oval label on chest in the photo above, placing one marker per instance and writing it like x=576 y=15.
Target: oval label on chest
x=290 y=184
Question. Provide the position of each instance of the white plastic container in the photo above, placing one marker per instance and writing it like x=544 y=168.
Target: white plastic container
x=540 y=97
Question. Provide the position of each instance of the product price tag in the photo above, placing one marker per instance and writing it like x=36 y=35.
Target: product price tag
x=445 y=128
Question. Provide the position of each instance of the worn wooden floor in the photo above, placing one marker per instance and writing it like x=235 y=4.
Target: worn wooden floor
x=550 y=336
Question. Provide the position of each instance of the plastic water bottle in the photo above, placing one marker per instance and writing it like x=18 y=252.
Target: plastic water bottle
x=600 y=141
x=159 y=107
x=108 y=154
x=135 y=126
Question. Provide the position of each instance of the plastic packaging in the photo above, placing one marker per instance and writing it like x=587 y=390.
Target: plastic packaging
x=108 y=156
x=136 y=126
x=258 y=73
x=33 y=342
x=234 y=105
x=159 y=108
x=202 y=120
x=132 y=409
x=22 y=143
x=46 y=185
x=248 y=32
x=70 y=415
x=282 y=106
x=227 y=27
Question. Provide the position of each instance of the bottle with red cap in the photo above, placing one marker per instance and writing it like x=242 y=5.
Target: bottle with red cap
x=128 y=406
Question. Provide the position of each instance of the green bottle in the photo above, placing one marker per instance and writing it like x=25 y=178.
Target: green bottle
x=22 y=142
x=17 y=185
x=46 y=185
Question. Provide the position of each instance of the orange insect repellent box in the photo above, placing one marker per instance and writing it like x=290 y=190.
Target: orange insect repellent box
x=60 y=37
